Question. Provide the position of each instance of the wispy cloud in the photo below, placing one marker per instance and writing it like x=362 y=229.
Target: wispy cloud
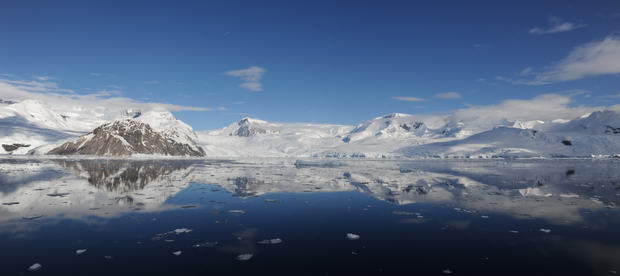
x=408 y=99
x=613 y=96
x=556 y=25
x=448 y=95
x=97 y=74
x=44 y=78
x=251 y=77
x=592 y=59
x=542 y=107
x=151 y=82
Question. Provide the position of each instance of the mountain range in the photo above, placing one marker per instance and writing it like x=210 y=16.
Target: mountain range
x=32 y=127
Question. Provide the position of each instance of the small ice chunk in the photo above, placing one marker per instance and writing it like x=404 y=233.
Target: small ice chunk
x=514 y=231
x=177 y=253
x=447 y=271
x=546 y=231
x=107 y=257
x=206 y=244
x=569 y=195
x=484 y=217
x=403 y=213
x=237 y=212
x=80 y=251
x=352 y=236
x=182 y=230
x=35 y=267
x=271 y=200
x=244 y=257
x=271 y=241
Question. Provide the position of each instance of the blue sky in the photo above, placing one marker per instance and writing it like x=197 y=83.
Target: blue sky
x=316 y=61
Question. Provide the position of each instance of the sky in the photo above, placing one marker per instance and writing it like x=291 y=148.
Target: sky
x=341 y=62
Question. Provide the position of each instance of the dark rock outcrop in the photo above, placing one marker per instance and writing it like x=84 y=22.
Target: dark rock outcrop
x=11 y=147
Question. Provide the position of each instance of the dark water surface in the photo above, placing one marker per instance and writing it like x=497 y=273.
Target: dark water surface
x=540 y=217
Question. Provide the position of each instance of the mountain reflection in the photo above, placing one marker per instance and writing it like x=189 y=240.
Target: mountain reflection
x=558 y=191
x=123 y=175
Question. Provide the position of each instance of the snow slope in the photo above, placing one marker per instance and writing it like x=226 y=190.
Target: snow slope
x=597 y=133
x=34 y=123
x=253 y=137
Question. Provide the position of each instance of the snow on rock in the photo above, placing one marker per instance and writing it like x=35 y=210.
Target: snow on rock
x=390 y=126
x=154 y=132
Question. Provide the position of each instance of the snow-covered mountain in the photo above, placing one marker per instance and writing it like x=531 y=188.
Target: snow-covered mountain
x=34 y=123
x=153 y=132
x=597 y=133
x=253 y=137
x=378 y=137
x=32 y=126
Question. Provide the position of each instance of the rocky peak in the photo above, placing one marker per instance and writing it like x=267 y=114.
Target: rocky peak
x=129 y=137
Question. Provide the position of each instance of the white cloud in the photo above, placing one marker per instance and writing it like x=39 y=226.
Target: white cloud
x=104 y=104
x=448 y=95
x=592 y=59
x=543 y=107
x=556 y=25
x=250 y=76
x=252 y=86
x=408 y=99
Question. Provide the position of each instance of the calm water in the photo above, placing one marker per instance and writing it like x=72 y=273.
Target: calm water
x=225 y=217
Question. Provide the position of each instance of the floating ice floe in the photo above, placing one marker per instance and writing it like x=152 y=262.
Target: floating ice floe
x=35 y=267
x=569 y=195
x=244 y=257
x=182 y=230
x=80 y=251
x=177 y=253
x=484 y=217
x=236 y=212
x=514 y=231
x=546 y=231
x=205 y=244
x=271 y=241
x=447 y=271
x=178 y=231
x=352 y=236
x=271 y=200
x=403 y=213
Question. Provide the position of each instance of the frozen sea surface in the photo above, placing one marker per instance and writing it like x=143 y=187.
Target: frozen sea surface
x=215 y=217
